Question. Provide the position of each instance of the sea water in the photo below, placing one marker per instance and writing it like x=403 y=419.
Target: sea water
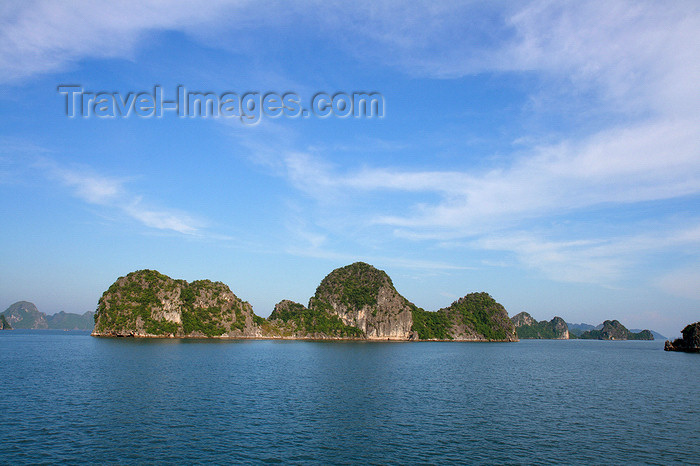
x=69 y=397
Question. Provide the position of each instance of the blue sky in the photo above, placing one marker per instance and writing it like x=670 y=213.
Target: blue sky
x=545 y=152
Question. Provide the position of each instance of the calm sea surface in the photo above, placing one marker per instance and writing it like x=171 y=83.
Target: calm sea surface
x=69 y=397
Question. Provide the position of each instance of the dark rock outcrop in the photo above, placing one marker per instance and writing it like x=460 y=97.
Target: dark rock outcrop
x=690 y=343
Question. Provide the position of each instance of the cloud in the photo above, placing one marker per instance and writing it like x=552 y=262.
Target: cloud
x=486 y=211
x=42 y=36
x=632 y=53
x=111 y=193
x=633 y=62
x=621 y=166
x=604 y=261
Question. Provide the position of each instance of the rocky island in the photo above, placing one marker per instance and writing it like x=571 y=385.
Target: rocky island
x=25 y=315
x=356 y=302
x=529 y=328
x=690 y=343
x=557 y=329
x=614 y=330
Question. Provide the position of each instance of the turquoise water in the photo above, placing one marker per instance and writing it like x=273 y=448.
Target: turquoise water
x=66 y=396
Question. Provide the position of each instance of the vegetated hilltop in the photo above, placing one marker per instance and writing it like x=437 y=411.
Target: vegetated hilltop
x=475 y=317
x=655 y=334
x=148 y=303
x=353 y=302
x=4 y=324
x=25 y=315
x=529 y=328
x=690 y=343
x=364 y=297
x=614 y=330
x=70 y=321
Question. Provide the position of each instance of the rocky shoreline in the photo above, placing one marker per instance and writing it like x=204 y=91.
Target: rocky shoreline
x=690 y=343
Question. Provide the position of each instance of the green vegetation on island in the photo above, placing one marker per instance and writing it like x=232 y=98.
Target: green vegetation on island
x=614 y=330
x=148 y=303
x=431 y=325
x=355 y=286
x=558 y=329
x=25 y=315
x=480 y=315
x=296 y=319
x=357 y=301
x=364 y=297
x=529 y=328
x=4 y=324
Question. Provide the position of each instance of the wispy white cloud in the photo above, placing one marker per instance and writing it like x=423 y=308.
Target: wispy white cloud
x=626 y=51
x=112 y=193
x=601 y=261
x=647 y=162
x=634 y=59
x=305 y=239
x=38 y=36
x=484 y=211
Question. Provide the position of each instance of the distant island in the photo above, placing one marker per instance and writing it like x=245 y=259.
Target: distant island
x=557 y=329
x=690 y=343
x=25 y=315
x=355 y=302
x=529 y=328
x=614 y=330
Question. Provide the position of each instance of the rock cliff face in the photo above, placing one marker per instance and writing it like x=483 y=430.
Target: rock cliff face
x=529 y=328
x=147 y=303
x=522 y=319
x=364 y=297
x=614 y=330
x=353 y=302
x=4 y=324
x=561 y=330
x=690 y=343
x=25 y=315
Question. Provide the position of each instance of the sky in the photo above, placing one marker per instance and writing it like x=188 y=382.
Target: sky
x=546 y=152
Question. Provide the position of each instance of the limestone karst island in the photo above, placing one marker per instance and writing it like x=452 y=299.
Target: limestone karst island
x=357 y=302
